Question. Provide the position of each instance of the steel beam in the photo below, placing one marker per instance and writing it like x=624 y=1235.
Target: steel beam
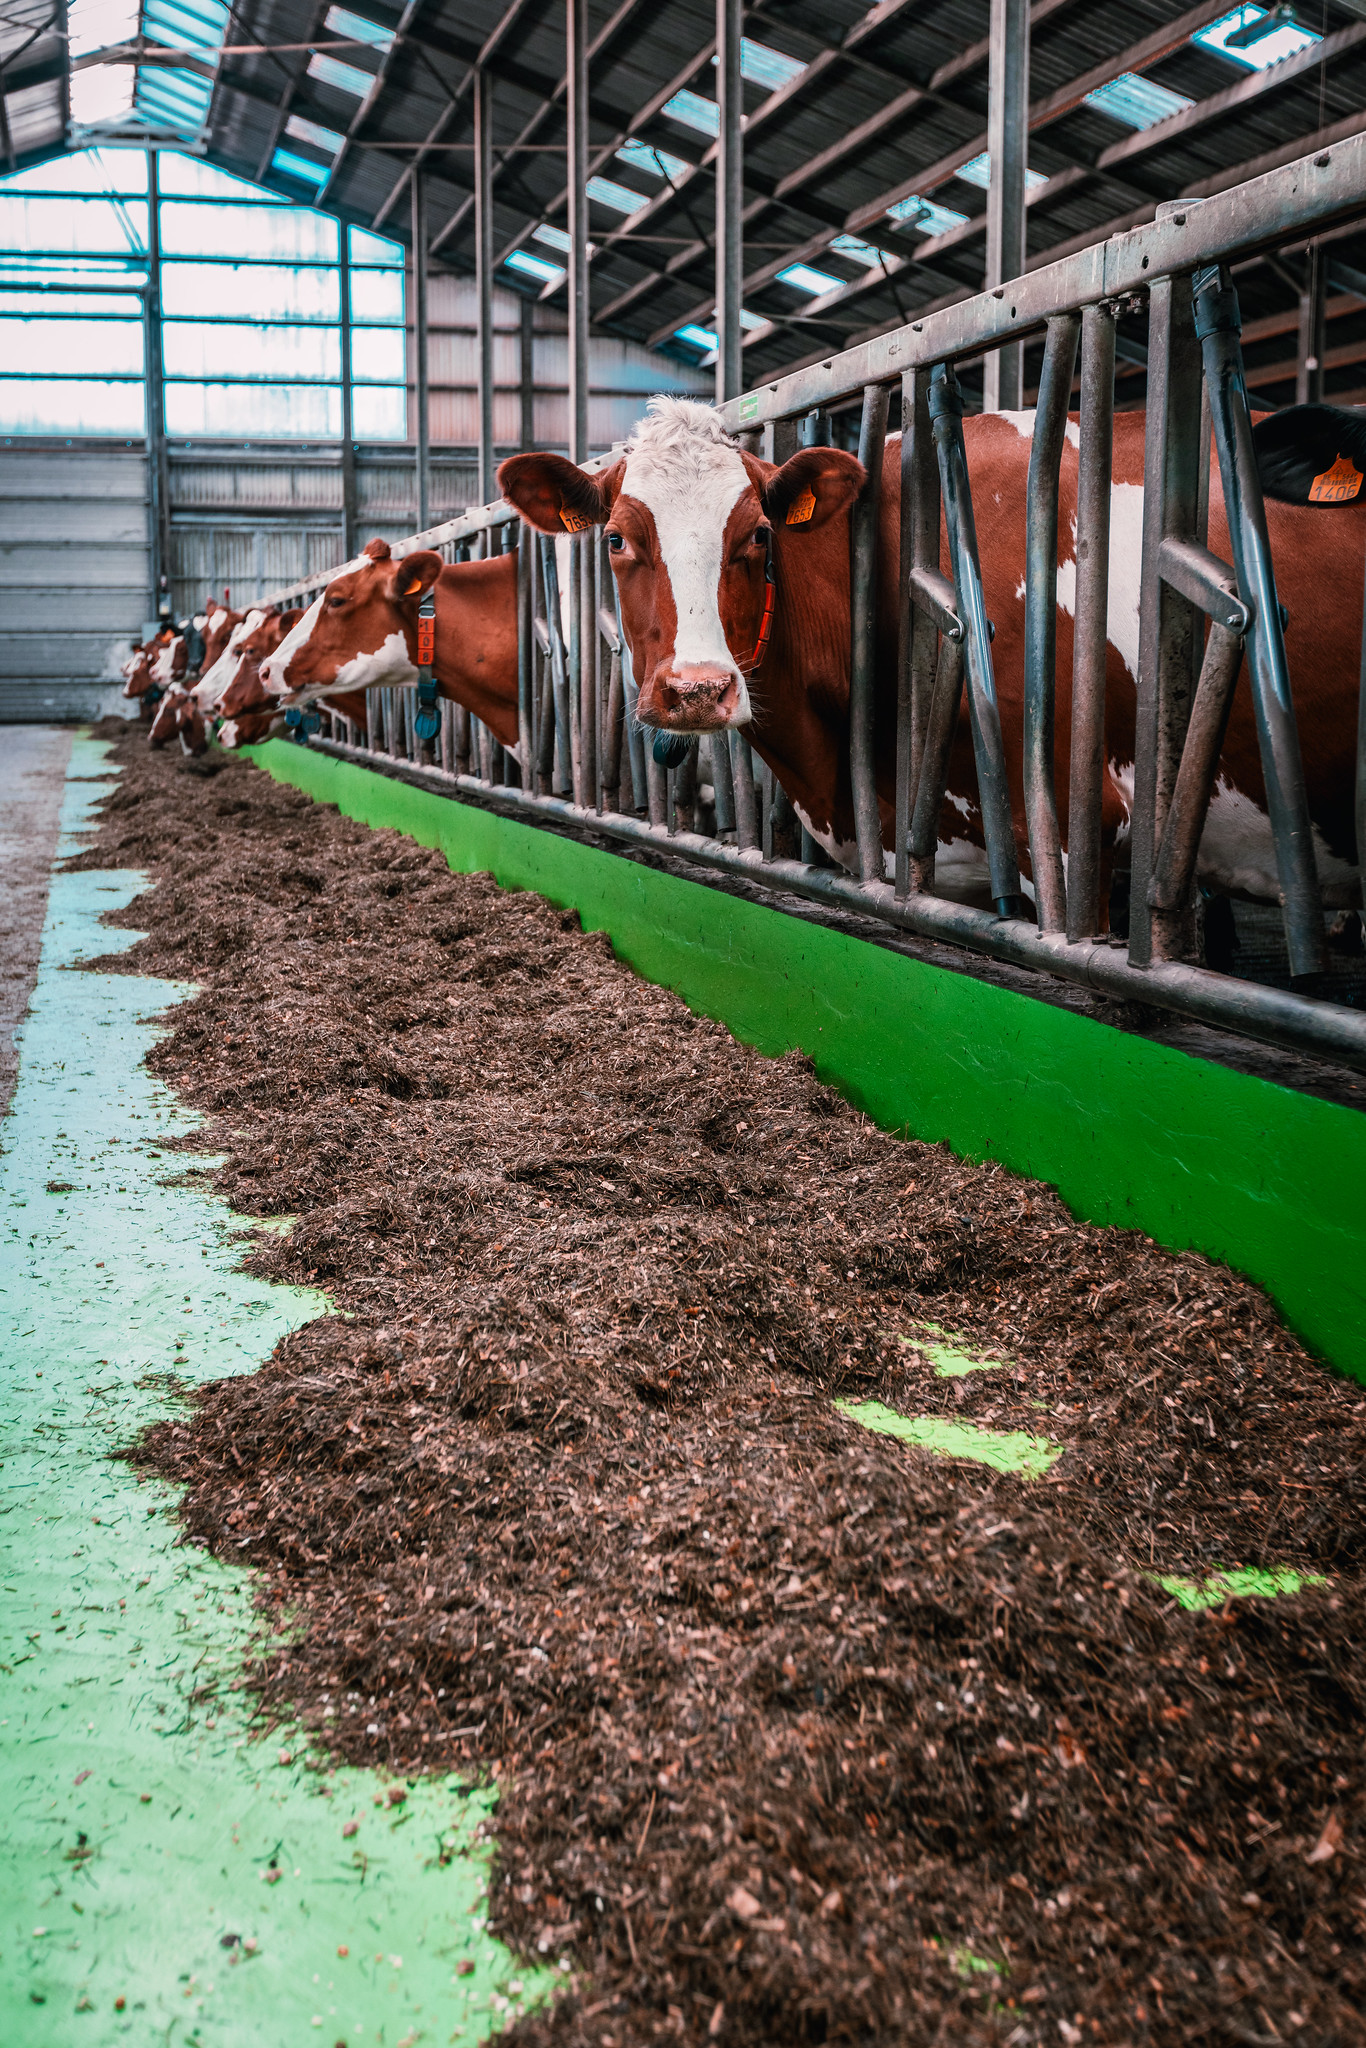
x=576 y=185
x=527 y=377
x=422 y=444
x=348 y=425
x=483 y=271
x=1008 y=149
x=1310 y=367
x=729 y=198
x=158 y=474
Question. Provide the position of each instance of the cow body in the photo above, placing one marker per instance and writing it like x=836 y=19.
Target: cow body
x=362 y=633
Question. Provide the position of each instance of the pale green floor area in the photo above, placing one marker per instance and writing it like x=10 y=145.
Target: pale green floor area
x=142 y=1819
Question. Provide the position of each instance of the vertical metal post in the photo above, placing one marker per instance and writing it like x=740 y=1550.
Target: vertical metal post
x=729 y=198
x=1218 y=325
x=422 y=445
x=1007 y=150
x=1309 y=369
x=863 y=652
x=348 y=425
x=526 y=643
x=1170 y=630
x=1089 y=639
x=1361 y=768
x=746 y=806
x=946 y=414
x=1041 y=619
x=158 y=469
x=586 y=548
x=919 y=634
x=527 y=377
x=483 y=271
x=576 y=182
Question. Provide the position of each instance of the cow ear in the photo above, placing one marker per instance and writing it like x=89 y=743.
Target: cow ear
x=415 y=573
x=554 y=495
x=812 y=486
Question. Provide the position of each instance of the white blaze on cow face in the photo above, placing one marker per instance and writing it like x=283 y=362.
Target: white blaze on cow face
x=164 y=665
x=390 y=664
x=688 y=475
x=215 y=685
x=275 y=667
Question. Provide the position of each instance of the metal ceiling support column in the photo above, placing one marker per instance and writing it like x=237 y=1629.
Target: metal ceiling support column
x=576 y=180
x=483 y=272
x=527 y=378
x=158 y=471
x=730 y=267
x=422 y=423
x=1309 y=370
x=348 y=425
x=1007 y=149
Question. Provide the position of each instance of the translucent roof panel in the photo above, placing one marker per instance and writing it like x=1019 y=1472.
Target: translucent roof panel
x=345 y=77
x=341 y=21
x=191 y=228
x=1282 y=38
x=53 y=405
x=657 y=162
x=368 y=248
x=270 y=353
x=92 y=172
x=248 y=291
x=694 y=112
x=306 y=169
x=977 y=171
x=1136 y=101
x=189 y=177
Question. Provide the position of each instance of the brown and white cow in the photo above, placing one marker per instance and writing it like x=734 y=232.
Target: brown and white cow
x=226 y=632
x=362 y=632
x=247 y=709
x=687 y=515
x=178 y=716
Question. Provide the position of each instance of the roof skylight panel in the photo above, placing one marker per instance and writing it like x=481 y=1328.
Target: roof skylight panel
x=343 y=77
x=926 y=215
x=340 y=21
x=619 y=197
x=310 y=131
x=1136 y=101
x=1256 y=47
x=977 y=171
x=694 y=112
x=658 y=163
x=533 y=266
x=803 y=278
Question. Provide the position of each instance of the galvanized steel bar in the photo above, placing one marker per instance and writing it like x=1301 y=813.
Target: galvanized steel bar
x=483 y=272
x=918 y=628
x=729 y=197
x=746 y=804
x=526 y=657
x=946 y=415
x=863 y=621
x=576 y=185
x=1170 y=629
x=559 y=671
x=723 y=784
x=1219 y=327
x=945 y=707
x=422 y=444
x=1090 y=637
x=1007 y=154
x=1360 y=806
x=1041 y=619
x=1173 y=881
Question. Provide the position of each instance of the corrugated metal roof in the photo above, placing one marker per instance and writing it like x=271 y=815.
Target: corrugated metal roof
x=887 y=109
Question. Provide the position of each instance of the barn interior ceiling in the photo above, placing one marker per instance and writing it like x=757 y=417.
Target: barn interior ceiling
x=864 y=147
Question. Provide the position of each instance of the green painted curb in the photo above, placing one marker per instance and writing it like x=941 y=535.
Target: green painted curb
x=143 y=1821
x=1130 y=1133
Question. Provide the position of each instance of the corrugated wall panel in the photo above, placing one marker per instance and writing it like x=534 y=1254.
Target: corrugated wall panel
x=74 y=578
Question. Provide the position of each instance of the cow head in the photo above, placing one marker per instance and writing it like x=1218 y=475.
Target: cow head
x=246 y=690
x=690 y=521
x=178 y=713
x=361 y=632
x=217 y=630
x=222 y=671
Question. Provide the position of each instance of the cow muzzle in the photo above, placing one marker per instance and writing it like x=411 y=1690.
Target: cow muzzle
x=691 y=697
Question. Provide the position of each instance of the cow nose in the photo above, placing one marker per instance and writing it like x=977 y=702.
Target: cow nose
x=693 y=697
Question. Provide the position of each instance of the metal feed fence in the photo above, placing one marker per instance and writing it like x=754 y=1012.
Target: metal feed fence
x=589 y=767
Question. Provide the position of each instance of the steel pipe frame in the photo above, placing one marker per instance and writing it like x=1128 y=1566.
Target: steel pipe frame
x=863 y=624
x=1090 y=636
x=730 y=197
x=1041 y=619
x=422 y=424
x=946 y=417
x=576 y=182
x=1178 y=500
x=1007 y=152
x=1218 y=325
x=483 y=270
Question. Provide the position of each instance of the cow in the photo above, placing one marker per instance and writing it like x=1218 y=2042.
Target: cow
x=246 y=708
x=362 y=632
x=693 y=523
x=179 y=714
x=227 y=636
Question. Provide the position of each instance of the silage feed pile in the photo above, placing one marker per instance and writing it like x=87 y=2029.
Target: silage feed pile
x=802 y=1733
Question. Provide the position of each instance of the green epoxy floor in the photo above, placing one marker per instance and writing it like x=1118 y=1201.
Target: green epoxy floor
x=145 y=1828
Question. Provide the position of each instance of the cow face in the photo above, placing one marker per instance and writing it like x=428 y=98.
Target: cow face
x=361 y=632
x=219 y=676
x=690 y=524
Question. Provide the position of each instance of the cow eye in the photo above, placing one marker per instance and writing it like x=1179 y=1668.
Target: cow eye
x=761 y=536
x=616 y=542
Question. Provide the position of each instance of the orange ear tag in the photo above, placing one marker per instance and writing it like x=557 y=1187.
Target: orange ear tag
x=573 y=522
x=1338 y=485
x=800 y=510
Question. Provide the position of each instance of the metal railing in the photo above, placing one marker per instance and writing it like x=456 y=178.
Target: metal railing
x=583 y=761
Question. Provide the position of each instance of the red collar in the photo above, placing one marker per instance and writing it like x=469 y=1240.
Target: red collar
x=766 y=622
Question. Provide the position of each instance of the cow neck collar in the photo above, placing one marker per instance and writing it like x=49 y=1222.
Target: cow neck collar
x=427 y=719
x=747 y=668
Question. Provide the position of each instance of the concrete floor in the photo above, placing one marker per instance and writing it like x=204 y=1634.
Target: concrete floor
x=33 y=762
